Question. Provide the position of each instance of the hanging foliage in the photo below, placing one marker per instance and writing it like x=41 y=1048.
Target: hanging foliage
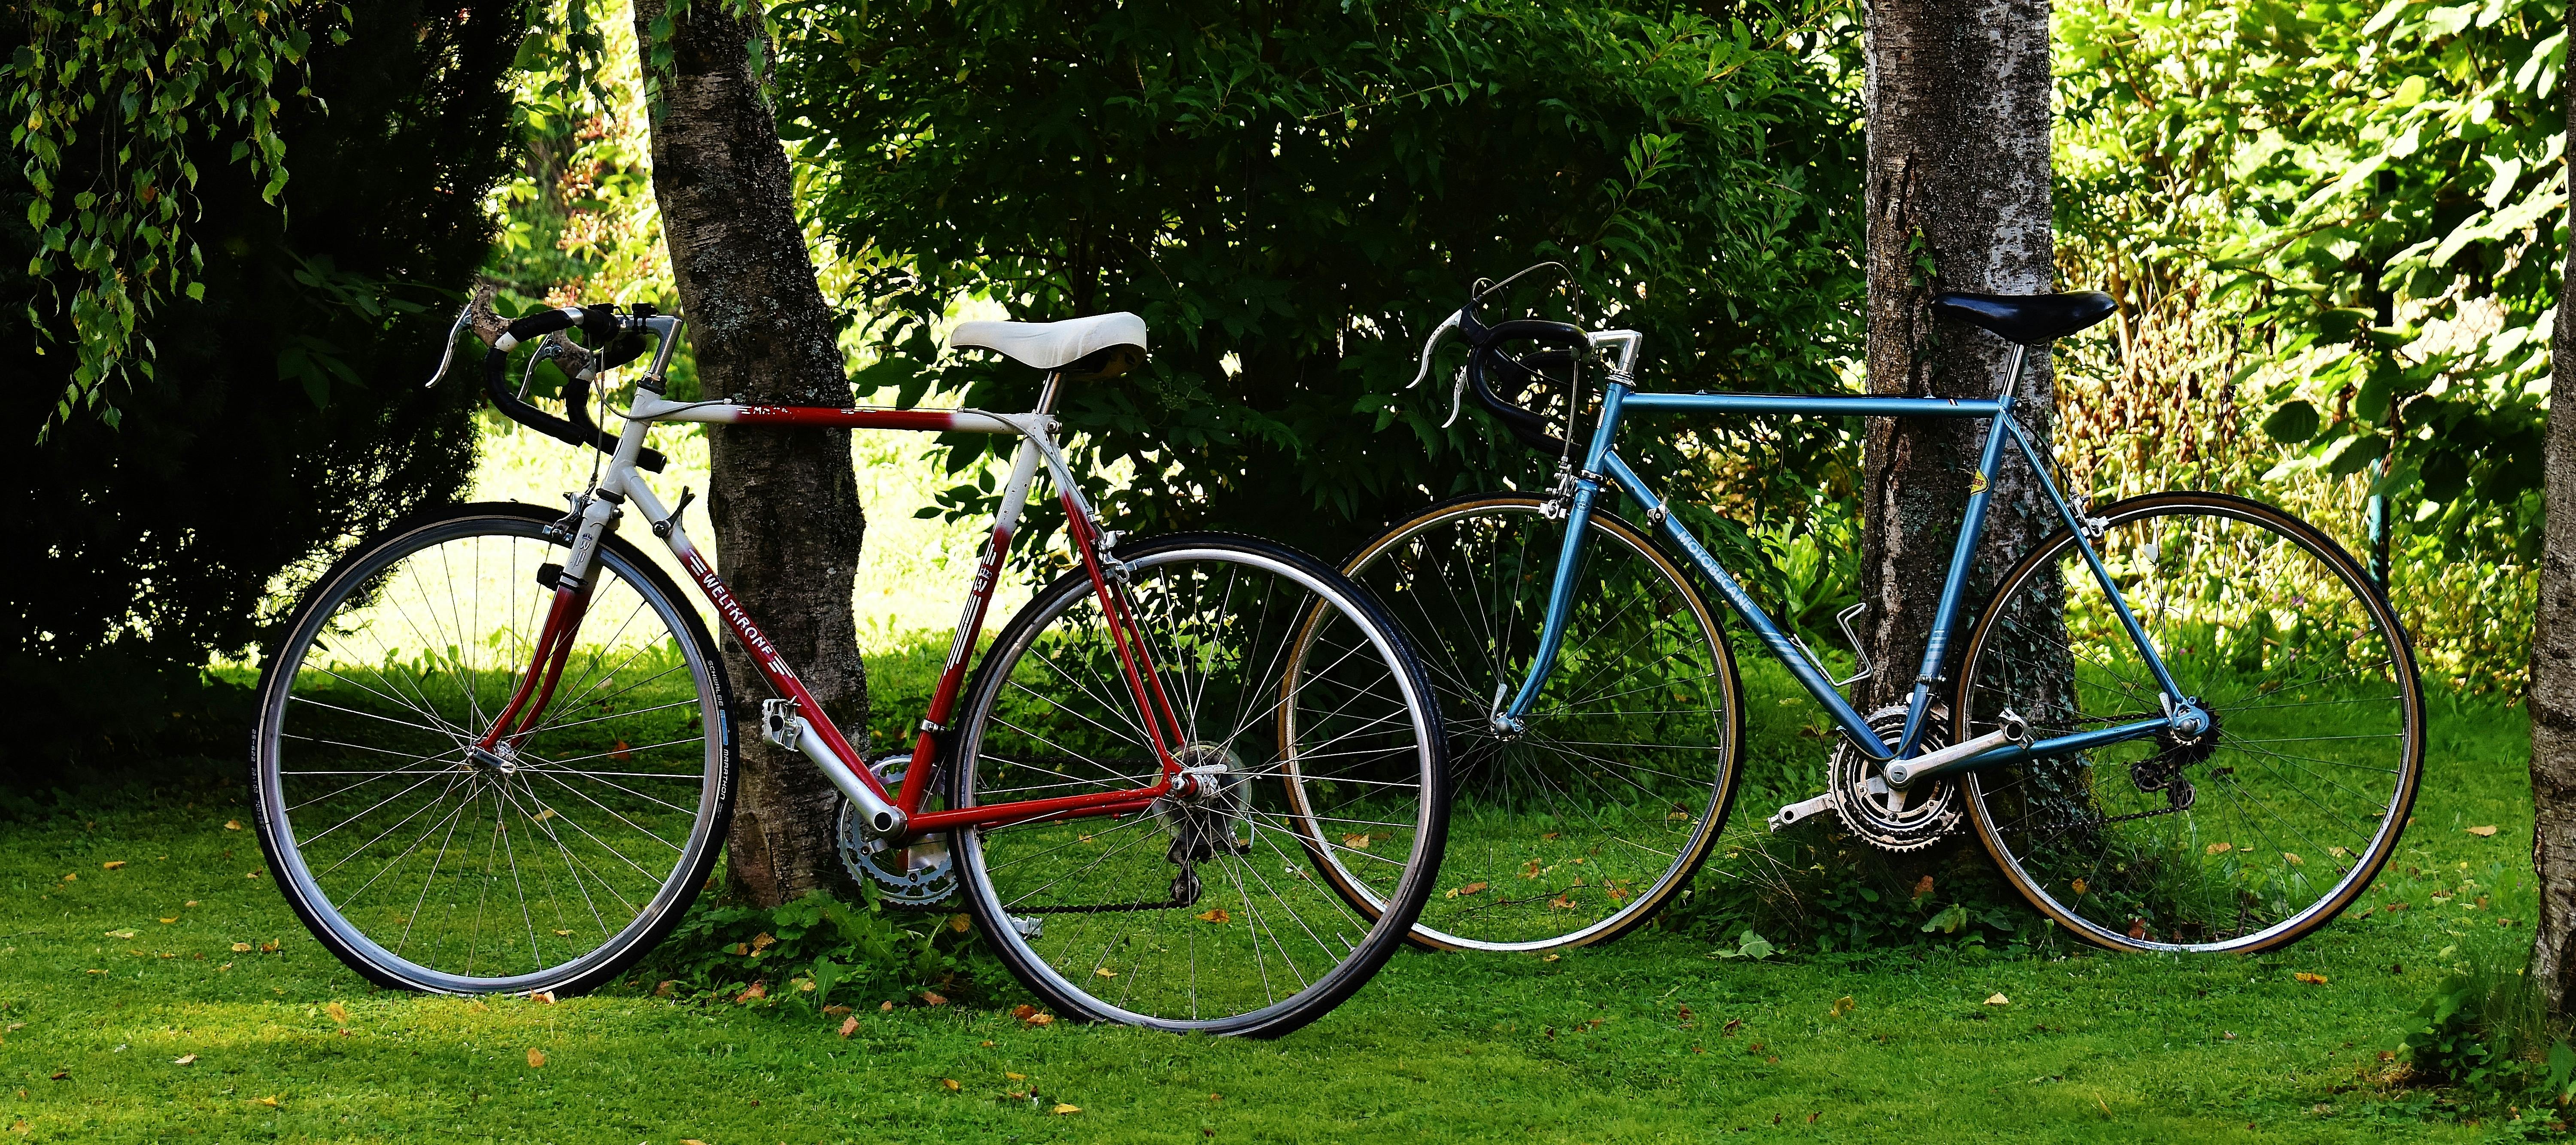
x=129 y=82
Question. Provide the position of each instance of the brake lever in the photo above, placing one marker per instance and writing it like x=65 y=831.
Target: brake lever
x=1458 y=386
x=464 y=315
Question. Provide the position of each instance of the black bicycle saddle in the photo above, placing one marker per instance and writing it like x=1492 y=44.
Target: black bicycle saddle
x=2028 y=318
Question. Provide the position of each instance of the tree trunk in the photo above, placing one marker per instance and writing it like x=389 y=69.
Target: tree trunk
x=784 y=501
x=2553 y=663
x=1958 y=200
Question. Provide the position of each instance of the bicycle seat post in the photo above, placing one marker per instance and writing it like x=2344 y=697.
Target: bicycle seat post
x=2012 y=373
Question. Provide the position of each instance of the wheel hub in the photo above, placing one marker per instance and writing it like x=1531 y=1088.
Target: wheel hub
x=502 y=762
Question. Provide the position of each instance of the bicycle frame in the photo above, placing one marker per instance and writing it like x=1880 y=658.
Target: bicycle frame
x=891 y=816
x=1602 y=468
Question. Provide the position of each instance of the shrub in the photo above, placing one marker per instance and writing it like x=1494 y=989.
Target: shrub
x=286 y=413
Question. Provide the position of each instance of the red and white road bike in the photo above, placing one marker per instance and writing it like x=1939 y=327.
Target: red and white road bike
x=495 y=749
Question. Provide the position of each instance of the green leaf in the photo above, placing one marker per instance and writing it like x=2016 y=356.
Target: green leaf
x=2293 y=423
x=2356 y=453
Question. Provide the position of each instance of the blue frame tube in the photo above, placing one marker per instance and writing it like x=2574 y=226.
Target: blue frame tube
x=1600 y=462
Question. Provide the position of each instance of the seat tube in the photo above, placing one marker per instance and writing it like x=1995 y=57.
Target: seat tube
x=1963 y=555
x=1569 y=562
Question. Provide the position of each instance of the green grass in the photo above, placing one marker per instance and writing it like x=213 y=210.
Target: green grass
x=1593 y=1047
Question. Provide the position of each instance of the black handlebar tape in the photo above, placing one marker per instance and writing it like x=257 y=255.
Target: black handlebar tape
x=1530 y=428
x=496 y=380
x=540 y=324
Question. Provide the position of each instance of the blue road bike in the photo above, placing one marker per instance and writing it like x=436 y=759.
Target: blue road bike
x=2183 y=721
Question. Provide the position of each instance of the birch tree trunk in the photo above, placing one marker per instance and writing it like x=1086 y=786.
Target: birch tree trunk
x=784 y=501
x=1958 y=199
x=2553 y=665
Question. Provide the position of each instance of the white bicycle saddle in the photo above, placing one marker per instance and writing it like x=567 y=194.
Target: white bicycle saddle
x=1053 y=345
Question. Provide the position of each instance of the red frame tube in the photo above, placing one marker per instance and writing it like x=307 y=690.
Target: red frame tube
x=545 y=670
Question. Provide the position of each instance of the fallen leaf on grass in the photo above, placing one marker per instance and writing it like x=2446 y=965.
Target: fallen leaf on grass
x=232 y=824
x=2293 y=859
x=338 y=1012
x=2221 y=848
x=849 y=1026
x=1015 y=1076
x=272 y=1102
x=1550 y=957
x=184 y=1059
x=1469 y=889
x=2079 y=886
x=241 y=948
x=1561 y=902
x=1040 y=1020
x=1923 y=886
x=543 y=814
x=886 y=1007
x=1997 y=999
x=664 y=988
x=536 y=1057
x=760 y=990
x=1216 y=914
x=64 y=1075
x=71 y=878
x=1061 y=1109
x=268 y=948
x=2483 y=832
x=949 y=1084
x=691 y=1141
x=113 y=864
x=1677 y=817
x=2138 y=928
x=120 y=934
x=622 y=751
x=1844 y=1005
x=934 y=998
x=762 y=941
x=2310 y=979
x=835 y=1010
x=168 y=921
x=1103 y=972
x=563 y=934
x=1358 y=842
x=960 y=923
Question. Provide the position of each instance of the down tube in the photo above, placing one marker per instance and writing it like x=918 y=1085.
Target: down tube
x=1782 y=649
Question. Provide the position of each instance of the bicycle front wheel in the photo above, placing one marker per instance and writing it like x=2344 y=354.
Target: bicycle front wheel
x=549 y=862
x=1203 y=911
x=2260 y=830
x=1581 y=827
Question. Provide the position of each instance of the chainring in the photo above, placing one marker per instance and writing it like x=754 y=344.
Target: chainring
x=921 y=873
x=1888 y=818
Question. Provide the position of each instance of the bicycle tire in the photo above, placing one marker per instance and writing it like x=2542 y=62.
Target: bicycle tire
x=364 y=590
x=1100 y=917
x=2164 y=881
x=1564 y=896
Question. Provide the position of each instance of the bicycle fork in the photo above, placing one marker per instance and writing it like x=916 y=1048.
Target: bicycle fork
x=519 y=718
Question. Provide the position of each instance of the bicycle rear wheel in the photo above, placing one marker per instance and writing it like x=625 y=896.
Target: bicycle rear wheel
x=1202 y=912
x=554 y=860
x=2258 y=832
x=1580 y=828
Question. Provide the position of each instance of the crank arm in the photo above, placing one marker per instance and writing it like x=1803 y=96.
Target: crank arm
x=1800 y=812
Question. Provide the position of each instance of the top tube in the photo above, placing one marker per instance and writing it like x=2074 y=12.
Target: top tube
x=1833 y=405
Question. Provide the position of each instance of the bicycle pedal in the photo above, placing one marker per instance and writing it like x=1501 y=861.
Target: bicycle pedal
x=1800 y=812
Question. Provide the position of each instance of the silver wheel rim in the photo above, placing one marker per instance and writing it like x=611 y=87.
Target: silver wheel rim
x=532 y=807
x=1283 y=848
